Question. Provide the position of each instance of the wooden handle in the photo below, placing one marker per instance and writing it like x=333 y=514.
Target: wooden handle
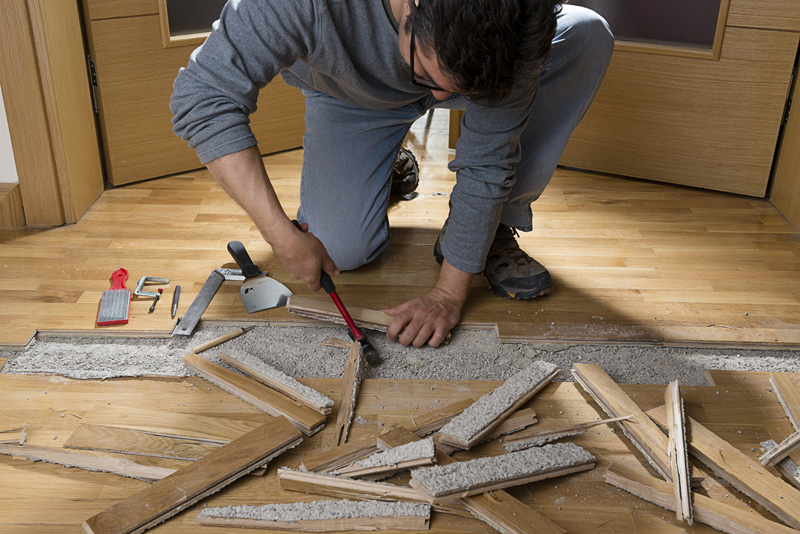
x=217 y=341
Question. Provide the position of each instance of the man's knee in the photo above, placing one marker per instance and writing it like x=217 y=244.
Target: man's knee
x=350 y=249
x=589 y=31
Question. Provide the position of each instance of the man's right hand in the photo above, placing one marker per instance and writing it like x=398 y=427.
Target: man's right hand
x=303 y=255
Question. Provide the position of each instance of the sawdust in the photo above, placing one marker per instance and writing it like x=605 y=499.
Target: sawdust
x=319 y=510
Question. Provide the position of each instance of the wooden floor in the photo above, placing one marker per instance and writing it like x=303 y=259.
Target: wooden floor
x=41 y=498
x=632 y=261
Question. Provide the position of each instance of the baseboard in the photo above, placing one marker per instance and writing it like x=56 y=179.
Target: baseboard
x=11 y=214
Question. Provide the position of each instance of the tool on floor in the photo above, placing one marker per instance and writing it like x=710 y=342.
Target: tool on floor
x=259 y=292
x=186 y=325
x=149 y=280
x=176 y=295
x=158 y=296
x=115 y=304
x=221 y=339
x=371 y=355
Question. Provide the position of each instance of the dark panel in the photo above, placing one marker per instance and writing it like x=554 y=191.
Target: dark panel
x=192 y=16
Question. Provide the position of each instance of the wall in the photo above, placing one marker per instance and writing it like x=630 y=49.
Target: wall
x=8 y=169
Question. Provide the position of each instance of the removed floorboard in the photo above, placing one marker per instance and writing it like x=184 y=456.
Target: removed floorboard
x=351 y=383
x=126 y=441
x=527 y=440
x=786 y=467
x=186 y=486
x=678 y=456
x=346 y=488
x=788 y=395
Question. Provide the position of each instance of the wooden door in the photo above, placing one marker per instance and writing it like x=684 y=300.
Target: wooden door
x=136 y=63
x=696 y=116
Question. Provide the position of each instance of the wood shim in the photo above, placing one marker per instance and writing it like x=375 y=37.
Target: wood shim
x=126 y=441
x=644 y=434
x=716 y=514
x=351 y=383
x=253 y=392
x=788 y=395
x=780 y=452
x=747 y=475
x=218 y=430
x=275 y=379
x=346 y=488
x=190 y=484
x=88 y=462
x=678 y=456
x=479 y=420
x=786 y=467
x=322 y=516
x=537 y=439
x=462 y=479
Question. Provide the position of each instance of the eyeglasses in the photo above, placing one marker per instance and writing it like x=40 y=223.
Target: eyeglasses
x=421 y=82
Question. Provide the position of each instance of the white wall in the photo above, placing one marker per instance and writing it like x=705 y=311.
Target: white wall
x=8 y=169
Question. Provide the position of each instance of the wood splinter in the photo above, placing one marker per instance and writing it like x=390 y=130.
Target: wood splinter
x=351 y=383
x=678 y=456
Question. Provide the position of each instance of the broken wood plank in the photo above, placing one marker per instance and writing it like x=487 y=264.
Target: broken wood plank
x=220 y=340
x=253 y=392
x=747 y=475
x=218 y=430
x=786 y=467
x=477 y=421
x=784 y=449
x=415 y=453
x=2 y=364
x=527 y=440
x=432 y=421
x=678 y=456
x=190 y=484
x=788 y=395
x=716 y=514
x=515 y=422
x=325 y=310
x=351 y=383
x=322 y=516
x=462 y=479
x=346 y=488
x=642 y=432
x=275 y=379
x=88 y=462
x=135 y=442
x=14 y=435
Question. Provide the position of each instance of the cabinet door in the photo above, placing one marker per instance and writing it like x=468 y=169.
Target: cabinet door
x=135 y=72
x=693 y=115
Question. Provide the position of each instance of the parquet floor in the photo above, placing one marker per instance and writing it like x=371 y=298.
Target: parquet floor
x=633 y=261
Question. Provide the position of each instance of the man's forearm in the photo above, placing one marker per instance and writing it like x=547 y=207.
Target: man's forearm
x=455 y=282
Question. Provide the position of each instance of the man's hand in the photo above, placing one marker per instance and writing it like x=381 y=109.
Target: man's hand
x=303 y=255
x=429 y=317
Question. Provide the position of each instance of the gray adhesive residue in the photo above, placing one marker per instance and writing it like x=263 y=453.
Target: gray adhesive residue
x=402 y=453
x=488 y=408
x=260 y=366
x=444 y=479
x=319 y=510
x=538 y=442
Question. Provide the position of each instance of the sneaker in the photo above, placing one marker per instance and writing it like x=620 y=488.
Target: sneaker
x=510 y=272
x=405 y=175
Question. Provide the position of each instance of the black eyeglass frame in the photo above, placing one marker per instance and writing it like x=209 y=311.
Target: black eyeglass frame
x=420 y=82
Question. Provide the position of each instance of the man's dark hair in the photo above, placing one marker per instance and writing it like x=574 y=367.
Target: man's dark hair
x=486 y=47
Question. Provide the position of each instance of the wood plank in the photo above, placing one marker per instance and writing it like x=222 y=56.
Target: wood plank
x=325 y=310
x=431 y=421
x=126 y=441
x=717 y=514
x=517 y=421
x=644 y=434
x=738 y=469
x=786 y=467
x=11 y=213
x=788 y=395
x=85 y=461
x=678 y=455
x=218 y=430
x=351 y=382
x=535 y=439
x=253 y=392
x=784 y=449
x=281 y=382
x=345 y=488
x=187 y=486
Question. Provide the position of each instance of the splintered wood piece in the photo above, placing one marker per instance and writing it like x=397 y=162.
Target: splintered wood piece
x=479 y=420
x=788 y=395
x=277 y=380
x=126 y=441
x=644 y=434
x=716 y=514
x=535 y=439
x=325 y=310
x=194 y=482
x=780 y=452
x=14 y=435
x=253 y=392
x=351 y=382
x=432 y=421
x=786 y=467
x=678 y=457
x=748 y=476
x=346 y=488
x=515 y=422
x=88 y=462
x=415 y=452
x=323 y=516
x=218 y=430
x=462 y=479
x=384 y=471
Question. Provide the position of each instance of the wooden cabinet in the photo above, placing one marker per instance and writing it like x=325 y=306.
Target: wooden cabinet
x=135 y=73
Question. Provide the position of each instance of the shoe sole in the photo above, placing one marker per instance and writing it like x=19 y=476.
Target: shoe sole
x=497 y=290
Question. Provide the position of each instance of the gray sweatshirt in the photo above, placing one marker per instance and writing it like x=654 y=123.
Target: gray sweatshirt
x=347 y=49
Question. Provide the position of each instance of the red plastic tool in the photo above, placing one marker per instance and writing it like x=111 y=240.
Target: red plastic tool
x=115 y=304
